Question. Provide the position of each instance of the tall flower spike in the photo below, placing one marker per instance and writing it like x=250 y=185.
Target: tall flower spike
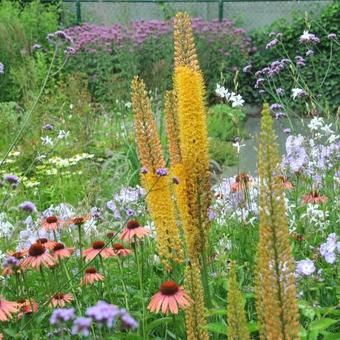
x=155 y=181
x=185 y=50
x=194 y=315
x=275 y=281
x=148 y=143
x=237 y=322
x=193 y=138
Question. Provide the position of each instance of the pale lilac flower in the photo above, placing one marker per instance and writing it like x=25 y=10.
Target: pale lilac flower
x=10 y=261
x=36 y=47
x=247 y=69
x=309 y=53
x=272 y=43
x=276 y=107
x=62 y=315
x=103 y=313
x=127 y=321
x=330 y=258
x=48 y=127
x=28 y=206
x=305 y=267
x=331 y=36
x=296 y=93
x=280 y=91
x=296 y=157
x=82 y=326
x=287 y=130
x=259 y=82
x=307 y=37
x=2 y=68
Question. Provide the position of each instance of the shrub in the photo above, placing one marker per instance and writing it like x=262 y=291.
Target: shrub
x=319 y=70
x=112 y=55
x=20 y=29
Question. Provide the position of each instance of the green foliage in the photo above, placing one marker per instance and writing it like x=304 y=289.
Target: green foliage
x=20 y=29
x=316 y=66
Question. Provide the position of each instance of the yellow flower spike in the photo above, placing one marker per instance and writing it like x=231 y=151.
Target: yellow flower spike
x=148 y=143
x=237 y=322
x=159 y=198
x=194 y=315
x=194 y=152
x=172 y=128
x=185 y=50
x=276 y=302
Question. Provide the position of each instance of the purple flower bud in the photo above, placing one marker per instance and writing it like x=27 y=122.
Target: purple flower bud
x=28 y=206
x=2 y=68
x=162 y=172
x=280 y=91
x=10 y=261
x=36 y=47
x=309 y=53
x=247 y=69
x=272 y=43
x=175 y=180
x=12 y=179
x=128 y=322
x=276 y=106
x=48 y=127
x=144 y=170
x=287 y=130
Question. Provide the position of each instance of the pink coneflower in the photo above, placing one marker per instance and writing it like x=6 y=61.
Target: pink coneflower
x=170 y=297
x=242 y=181
x=91 y=276
x=27 y=307
x=46 y=243
x=37 y=257
x=51 y=223
x=286 y=184
x=7 y=308
x=314 y=197
x=98 y=247
x=119 y=250
x=60 y=300
x=78 y=220
x=60 y=251
x=132 y=231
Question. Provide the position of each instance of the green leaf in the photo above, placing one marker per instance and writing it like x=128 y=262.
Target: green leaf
x=253 y=327
x=217 y=328
x=156 y=323
x=321 y=324
x=221 y=311
x=330 y=336
x=11 y=332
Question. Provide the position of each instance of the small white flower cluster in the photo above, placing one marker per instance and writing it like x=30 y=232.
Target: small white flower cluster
x=6 y=227
x=316 y=216
x=231 y=97
x=330 y=248
x=322 y=130
x=47 y=140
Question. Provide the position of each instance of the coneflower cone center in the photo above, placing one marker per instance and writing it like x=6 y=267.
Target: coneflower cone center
x=98 y=245
x=169 y=288
x=133 y=224
x=91 y=270
x=78 y=220
x=36 y=249
x=242 y=178
x=42 y=240
x=58 y=246
x=58 y=296
x=51 y=219
x=117 y=246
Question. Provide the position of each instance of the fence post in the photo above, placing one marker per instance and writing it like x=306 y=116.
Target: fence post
x=220 y=10
x=78 y=12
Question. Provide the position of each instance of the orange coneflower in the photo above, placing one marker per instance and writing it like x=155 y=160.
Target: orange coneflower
x=286 y=184
x=27 y=307
x=132 y=231
x=46 y=243
x=314 y=197
x=91 y=276
x=119 y=250
x=51 y=223
x=37 y=257
x=60 y=300
x=98 y=247
x=7 y=308
x=170 y=297
x=60 y=251
x=242 y=181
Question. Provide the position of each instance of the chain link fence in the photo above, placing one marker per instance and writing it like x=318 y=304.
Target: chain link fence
x=248 y=14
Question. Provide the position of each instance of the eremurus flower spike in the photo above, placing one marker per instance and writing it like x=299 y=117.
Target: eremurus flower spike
x=275 y=280
x=236 y=316
x=155 y=180
x=185 y=50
